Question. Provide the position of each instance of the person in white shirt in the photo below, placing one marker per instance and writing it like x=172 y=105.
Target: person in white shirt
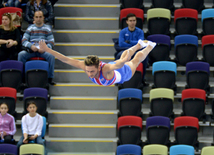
x=32 y=124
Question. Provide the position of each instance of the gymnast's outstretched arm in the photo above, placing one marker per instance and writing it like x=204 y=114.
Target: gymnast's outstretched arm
x=61 y=57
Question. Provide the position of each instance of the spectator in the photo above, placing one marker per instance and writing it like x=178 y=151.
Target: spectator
x=53 y=2
x=9 y=39
x=12 y=3
x=129 y=37
x=32 y=124
x=43 y=5
x=30 y=42
x=7 y=124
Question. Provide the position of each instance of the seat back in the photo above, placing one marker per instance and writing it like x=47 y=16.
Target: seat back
x=11 y=10
x=11 y=73
x=138 y=13
x=181 y=149
x=129 y=129
x=193 y=4
x=8 y=95
x=194 y=101
x=198 y=75
x=186 y=130
x=157 y=130
x=129 y=101
x=36 y=73
x=128 y=149
x=160 y=17
x=8 y=149
x=131 y=4
x=31 y=149
x=134 y=82
x=208 y=49
x=207 y=150
x=39 y=96
x=164 y=73
x=155 y=149
x=186 y=48
x=161 y=101
x=186 y=21
x=207 y=19
x=161 y=50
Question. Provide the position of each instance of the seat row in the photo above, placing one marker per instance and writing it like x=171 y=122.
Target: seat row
x=158 y=130
x=161 y=102
x=185 y=20
x=168 y=4
x=38 y=95
x=13 y=72
x=24 y=149
x=161 y=150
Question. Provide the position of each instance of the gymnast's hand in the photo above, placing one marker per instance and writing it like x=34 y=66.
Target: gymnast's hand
x=42 y=45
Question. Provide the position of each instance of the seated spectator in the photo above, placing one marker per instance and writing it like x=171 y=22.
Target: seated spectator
x=9 y=39
x=12 y=3
x=53 y=2
x=30 y=42
x=42 y=5
x=31 y=126
x=7 y=124
x=129 y=37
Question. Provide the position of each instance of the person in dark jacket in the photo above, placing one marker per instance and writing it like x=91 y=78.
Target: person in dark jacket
x=43 y=5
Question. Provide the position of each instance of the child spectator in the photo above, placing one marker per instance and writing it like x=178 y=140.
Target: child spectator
x=10 y=40
x=7 y=124
x=42 y=5
x=31 y=126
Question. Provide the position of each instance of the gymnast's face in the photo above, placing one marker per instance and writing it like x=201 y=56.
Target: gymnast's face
x=92 y=71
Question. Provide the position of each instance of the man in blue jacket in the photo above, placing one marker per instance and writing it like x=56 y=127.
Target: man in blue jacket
x=129 y=37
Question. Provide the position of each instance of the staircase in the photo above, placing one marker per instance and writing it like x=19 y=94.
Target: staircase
x=83 y=116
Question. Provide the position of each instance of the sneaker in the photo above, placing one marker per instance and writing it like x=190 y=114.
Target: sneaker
x=51 y=82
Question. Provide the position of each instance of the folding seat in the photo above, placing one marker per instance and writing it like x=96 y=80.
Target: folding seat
x=131 y=4
x=32 y=149
x=155 y=149
x=39 y=96
x=161 y=102
x=197 y=75
x=128 y=149
x=8 y=149
x=208 y=49
x=193 y=103
x=186 y=21
x=36 y=73
x=117 y=47
x=181 y=149
x=164 y=73
x=138 y=13
x=11 y=73
x=167 y=4
x=193 y=4
x=186 y=130
x=207 y=20
x=158 y=21
x=162 y=49
x=186 y=49
x=136 y=80
x=8 y=95
x=129 y=130
x=129 y=102
x=207 y=150
x=158 y=130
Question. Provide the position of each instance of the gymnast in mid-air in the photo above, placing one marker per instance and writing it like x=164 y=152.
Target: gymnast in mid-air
x=116 y=72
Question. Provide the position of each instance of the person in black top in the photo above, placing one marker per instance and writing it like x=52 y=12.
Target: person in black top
x=9 y=39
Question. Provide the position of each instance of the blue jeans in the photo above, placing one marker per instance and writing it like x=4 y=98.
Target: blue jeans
x=38 y=140
x=23 y=56
x=145 y=61
x=13 y=3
